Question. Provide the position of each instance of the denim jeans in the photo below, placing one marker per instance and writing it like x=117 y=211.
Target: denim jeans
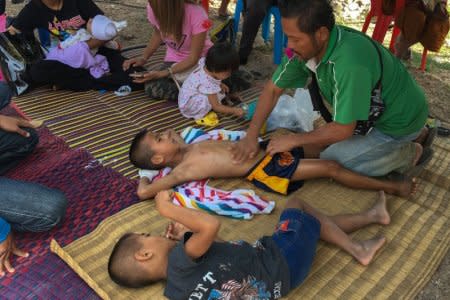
x=5 y=94
x=14 y=147
x=30 y=207
x=375 y=154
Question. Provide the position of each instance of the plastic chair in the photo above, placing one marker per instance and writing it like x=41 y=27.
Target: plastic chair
x=205 y=4
x=382 y=26
x=279 y=39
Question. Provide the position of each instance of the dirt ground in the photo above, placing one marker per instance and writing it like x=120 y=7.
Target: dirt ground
x=436 y=84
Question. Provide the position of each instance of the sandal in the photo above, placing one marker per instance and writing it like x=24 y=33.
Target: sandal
x=211 y=119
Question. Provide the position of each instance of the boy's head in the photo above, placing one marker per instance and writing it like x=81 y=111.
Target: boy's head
x=154 y=151
x=138 y=259
x=221 y=60
x=102 y=28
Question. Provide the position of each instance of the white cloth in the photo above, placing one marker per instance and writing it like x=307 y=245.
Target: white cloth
x=103 y=28
x=193 y=98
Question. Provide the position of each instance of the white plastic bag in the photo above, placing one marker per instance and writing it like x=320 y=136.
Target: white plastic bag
x=295 y=114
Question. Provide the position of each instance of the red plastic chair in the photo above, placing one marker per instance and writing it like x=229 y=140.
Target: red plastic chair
x=382 y=26
x=205 y=4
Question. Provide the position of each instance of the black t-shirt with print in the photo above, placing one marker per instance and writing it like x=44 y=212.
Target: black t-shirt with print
x=229 y=270
x=73 y=15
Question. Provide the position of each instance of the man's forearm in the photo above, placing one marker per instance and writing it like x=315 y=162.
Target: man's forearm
x=326 y=135
x=266 y=103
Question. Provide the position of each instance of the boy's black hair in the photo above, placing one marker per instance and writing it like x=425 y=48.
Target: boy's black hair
x=310 y=14
x=119 y=264
x=140 y=155
x=222 y=57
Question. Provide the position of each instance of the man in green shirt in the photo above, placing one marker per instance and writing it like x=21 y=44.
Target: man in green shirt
x=347 y=66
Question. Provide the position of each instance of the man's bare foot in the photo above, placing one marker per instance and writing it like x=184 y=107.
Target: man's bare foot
x=406 y=188
x=365 y=250
x=379 y=212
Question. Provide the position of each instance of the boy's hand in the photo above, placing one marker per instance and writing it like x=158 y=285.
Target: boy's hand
x=7 y=249
x=225 y=88
x=175 y=231
x=163 y=200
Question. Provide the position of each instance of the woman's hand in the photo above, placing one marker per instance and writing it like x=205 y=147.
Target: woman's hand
x=147 y=76
x=133 y=62
x=11 y=124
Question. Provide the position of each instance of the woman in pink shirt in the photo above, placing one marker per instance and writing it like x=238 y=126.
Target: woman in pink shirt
x=183 y=27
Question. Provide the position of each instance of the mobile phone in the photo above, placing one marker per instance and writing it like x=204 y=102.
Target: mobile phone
x=138 y=74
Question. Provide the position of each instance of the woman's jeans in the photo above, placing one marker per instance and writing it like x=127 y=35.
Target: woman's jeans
x=29 y=206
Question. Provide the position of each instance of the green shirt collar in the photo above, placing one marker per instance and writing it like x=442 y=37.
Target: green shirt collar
x=335 y=35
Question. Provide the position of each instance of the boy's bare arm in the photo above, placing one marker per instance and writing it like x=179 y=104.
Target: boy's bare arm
x=148 y=190
x=204 y=226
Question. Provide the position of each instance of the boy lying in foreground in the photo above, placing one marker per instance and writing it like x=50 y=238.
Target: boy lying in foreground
x=282 y=173
x=198 y=267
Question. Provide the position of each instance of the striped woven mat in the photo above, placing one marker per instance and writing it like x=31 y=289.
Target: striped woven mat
x=418 y=236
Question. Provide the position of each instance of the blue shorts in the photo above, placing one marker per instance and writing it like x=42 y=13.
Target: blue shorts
x=296 y=235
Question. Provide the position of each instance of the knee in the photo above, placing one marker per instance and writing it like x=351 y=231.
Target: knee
x=53 y=212
x=332 y=168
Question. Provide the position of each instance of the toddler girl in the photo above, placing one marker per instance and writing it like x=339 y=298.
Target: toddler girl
x=203 y=90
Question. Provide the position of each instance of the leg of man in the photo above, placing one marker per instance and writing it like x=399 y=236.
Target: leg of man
x=14 y=147
x=375 y=154
x=318 y=168
x=331 y=232
x=255 y=12
x=29 y=206
x=5 y=94
x=56 y=73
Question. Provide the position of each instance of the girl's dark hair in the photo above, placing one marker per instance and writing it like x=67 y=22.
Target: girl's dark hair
x=310 y=14
x=222 y=57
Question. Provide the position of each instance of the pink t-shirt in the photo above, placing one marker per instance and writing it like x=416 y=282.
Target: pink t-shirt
x=195 y=21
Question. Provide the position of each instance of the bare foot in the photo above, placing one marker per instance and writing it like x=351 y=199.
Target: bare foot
x=406 y=188
x=379 y=211
x=365 y=250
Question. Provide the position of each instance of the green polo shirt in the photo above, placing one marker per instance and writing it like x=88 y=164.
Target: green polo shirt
x=346 y=76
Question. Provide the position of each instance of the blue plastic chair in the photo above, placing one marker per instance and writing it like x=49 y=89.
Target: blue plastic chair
x=279 y=38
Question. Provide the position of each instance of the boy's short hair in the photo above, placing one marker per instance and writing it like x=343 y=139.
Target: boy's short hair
x=140 y=155
x=122 y=267
x=222 y=57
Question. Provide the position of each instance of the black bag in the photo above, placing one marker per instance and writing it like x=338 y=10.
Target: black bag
x=17 y=53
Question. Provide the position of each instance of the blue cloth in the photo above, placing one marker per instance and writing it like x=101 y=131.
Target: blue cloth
x=375 y=154
x=296 y=235
x=5 y=228
x=29 y=206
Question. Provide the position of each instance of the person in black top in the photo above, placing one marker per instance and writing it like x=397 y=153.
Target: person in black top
x=62 y=18
x=198 y=267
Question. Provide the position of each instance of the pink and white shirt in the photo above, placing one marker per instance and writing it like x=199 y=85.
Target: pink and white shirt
x=193 y=97
x=195 y=21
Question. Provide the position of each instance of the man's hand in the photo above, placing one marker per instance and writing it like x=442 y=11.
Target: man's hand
x=281 y=143
x=175 y=231
x=133 y=62
x=11 y=124
x=8 y=248
x=244 y=149
x=163 y=200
